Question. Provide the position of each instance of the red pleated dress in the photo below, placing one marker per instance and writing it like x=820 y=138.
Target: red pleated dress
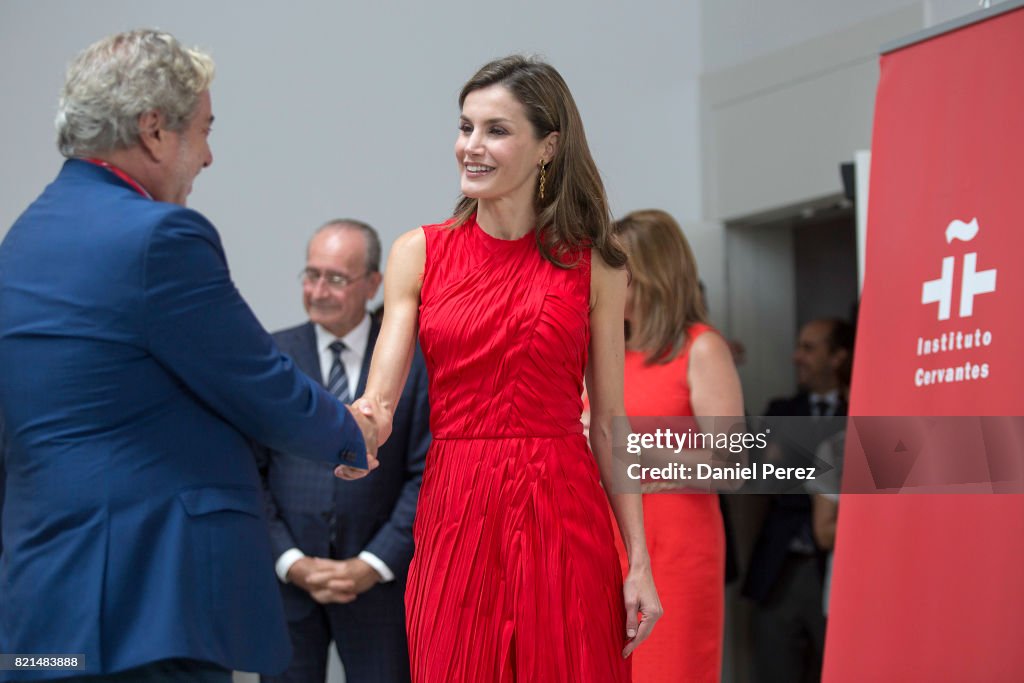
x=515 y=575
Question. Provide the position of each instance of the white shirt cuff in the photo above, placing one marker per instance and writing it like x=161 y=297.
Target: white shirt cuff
x=369 y=558
x=285 y=562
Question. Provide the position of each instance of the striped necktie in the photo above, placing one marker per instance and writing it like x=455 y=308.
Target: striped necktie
x=337 y=380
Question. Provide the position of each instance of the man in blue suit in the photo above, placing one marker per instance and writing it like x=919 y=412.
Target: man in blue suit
x=344 y=547
x=134 y=376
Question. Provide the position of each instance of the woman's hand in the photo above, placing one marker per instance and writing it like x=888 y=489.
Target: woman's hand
x=376 y=413
x=643 y=608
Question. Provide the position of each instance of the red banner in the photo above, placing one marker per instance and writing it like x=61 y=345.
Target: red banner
x=929 y=587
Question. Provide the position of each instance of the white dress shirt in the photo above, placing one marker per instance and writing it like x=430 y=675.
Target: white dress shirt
x=830 y=399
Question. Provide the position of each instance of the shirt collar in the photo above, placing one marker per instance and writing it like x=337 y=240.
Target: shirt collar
x=355 y=340
x=829 y=397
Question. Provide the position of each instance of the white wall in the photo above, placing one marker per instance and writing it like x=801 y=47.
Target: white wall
x=787 y=94
x=329 y=109
x=737 y=31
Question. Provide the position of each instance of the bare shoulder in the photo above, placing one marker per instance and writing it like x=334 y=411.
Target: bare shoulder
x=715 y=388
x=605 y=280
x=711 y=364
x=710 y=347
x=600 y=268
x=409 y=252
x=411 y=243
x=406 y=263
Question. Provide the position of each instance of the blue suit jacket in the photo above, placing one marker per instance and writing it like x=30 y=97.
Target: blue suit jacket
x=3 y=477
x=374 y=513
x=133 y=372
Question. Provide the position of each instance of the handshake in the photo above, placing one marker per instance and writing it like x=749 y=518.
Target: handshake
x=374 y=420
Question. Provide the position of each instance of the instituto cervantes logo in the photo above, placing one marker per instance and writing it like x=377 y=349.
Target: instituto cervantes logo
x=973 y=283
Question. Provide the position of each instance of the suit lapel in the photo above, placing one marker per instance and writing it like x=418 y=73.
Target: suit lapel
x=306 y=356
x=371 y=341
x=842 y=408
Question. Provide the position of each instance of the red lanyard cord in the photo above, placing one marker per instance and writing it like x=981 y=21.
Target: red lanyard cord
x=122 y=175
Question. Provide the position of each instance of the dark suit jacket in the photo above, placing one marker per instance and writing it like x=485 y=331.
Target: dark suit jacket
x=788 y=516
x=374 y=513
x=132 y=374
x=795 y=406
x=3 y=478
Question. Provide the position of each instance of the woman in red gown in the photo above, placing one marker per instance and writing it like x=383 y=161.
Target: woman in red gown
x=676 y=365
x=515 y=299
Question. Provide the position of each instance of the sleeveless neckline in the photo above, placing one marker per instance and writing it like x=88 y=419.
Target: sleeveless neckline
x=491 y=238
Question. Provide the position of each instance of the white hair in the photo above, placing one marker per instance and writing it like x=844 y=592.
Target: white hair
x=119 y=78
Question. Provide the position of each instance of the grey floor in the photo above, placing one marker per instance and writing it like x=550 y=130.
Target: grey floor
x=335 y=674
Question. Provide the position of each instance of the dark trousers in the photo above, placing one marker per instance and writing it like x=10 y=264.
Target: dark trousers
x=789 y=626
x=369 y=634
x=166 y=671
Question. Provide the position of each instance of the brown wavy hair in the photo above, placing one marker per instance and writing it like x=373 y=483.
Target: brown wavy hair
x=666 y=288
x=574 y=214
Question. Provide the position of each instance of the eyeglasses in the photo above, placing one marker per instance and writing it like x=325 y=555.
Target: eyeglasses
x=335 y=281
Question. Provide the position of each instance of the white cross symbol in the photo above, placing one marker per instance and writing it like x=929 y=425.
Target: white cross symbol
x=972 y=283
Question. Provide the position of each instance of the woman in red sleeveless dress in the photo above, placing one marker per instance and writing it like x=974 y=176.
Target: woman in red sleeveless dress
x=515 y=299
x=676 y=365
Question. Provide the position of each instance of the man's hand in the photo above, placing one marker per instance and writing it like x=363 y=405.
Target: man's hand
x=333 y=581
x=301 y=574
x=369 y=427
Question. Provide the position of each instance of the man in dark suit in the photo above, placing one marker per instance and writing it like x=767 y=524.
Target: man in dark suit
x=344 y=547
x=786 y=569
x=823 y=347
x=133 y=372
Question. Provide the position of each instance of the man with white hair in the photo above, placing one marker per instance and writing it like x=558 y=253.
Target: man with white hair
x=134 y=375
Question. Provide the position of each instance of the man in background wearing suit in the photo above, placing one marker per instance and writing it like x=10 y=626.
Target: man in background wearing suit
x=344 y=547
x=822 y=348
x=134 y=376
x=786 y=571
